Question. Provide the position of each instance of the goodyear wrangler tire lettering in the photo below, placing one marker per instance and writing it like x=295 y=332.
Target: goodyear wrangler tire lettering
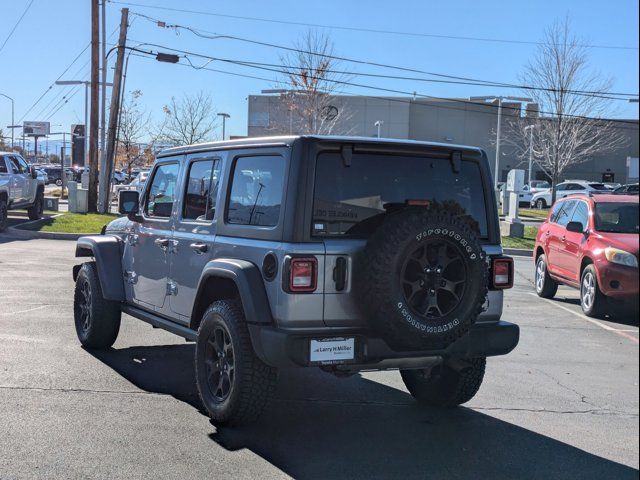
x=422 y=279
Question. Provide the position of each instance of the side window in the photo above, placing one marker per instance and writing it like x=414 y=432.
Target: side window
x=556 y=210
x=562 y=186
x=565 y=214
x=256 y=191
x=162 y=191
x=3 y=165
x=201 y=190
x=575 y=186
x=15 y=165
x=581 y=214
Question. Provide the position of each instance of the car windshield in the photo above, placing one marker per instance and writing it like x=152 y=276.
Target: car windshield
x=540 y=184
x=352 y=200
x=616 y=217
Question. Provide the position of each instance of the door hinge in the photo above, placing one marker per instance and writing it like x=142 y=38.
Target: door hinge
x=172 y=288
x=131 y=277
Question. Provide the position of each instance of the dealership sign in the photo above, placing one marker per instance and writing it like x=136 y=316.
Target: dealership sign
x=35 y=129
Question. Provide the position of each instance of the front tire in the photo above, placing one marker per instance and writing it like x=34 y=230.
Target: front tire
x=592 y=300
x=36 y=210
x=546 y=287
x=446 y=385
x=541 y=203
x=97 y=320
x=233 y=383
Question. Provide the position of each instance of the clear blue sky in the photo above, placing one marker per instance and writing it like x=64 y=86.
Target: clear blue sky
x=52 y=33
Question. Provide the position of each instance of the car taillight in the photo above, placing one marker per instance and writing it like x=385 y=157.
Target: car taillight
x=502 y=272
x=303 y=274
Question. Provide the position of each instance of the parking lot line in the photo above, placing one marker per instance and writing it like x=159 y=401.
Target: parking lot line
x=622 y=333
x=24 y=311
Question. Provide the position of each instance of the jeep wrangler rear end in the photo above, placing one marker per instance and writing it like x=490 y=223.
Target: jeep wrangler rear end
x=342 y=253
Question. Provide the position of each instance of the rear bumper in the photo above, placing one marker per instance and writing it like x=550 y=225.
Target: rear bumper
x=287 y=348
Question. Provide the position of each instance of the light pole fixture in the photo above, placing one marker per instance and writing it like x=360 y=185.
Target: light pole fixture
x=530 y=127
x=12 y=126
x=224 y=119
x=633 y=100
x=379 y=123
x=499 y=99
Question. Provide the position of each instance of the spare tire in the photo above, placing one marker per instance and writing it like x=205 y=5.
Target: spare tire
x=421 y=280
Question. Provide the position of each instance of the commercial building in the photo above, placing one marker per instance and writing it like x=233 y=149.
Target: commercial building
x=453 y=120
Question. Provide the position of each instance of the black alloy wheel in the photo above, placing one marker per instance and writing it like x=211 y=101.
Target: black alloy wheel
x=434 y=279
x=219 y=363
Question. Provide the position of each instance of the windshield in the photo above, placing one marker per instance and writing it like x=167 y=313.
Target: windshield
x=540 y=184
x=616 y=217
x=353 y=200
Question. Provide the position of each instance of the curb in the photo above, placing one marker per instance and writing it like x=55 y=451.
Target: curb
x=520 y=252
x=30 y=234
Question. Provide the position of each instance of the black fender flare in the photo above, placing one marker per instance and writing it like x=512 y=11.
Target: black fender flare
x=250 y=285
x=107 y=252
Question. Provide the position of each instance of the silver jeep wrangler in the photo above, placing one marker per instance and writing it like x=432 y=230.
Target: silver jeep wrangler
x=346 y=254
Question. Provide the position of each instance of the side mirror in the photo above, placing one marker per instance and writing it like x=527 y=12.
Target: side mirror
x=34 y=173
x=129 y=203
x=576 y=227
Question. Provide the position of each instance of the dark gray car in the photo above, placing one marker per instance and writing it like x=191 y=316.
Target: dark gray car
x=346 y=254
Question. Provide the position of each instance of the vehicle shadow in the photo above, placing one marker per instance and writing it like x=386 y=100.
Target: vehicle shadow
x=616 y=315
x=320 y=426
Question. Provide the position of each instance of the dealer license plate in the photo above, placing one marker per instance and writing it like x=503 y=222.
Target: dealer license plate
x=332 y=350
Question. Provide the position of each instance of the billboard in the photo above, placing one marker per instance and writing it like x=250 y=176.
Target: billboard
x=35 y=129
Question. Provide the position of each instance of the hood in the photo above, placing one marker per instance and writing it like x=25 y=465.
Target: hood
x=629 y=242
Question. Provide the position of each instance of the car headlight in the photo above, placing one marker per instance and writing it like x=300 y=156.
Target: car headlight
x=615 y=255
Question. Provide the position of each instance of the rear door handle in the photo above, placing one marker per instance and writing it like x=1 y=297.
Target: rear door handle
x=199 y=248
x=563 y=238
x=163 y=243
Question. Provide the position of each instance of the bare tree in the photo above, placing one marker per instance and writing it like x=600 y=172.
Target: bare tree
x=133 y=127
x=312 y=78
x=572 y=128
x=189 y=120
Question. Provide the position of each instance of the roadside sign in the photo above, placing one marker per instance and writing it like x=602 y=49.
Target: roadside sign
x=35 y=129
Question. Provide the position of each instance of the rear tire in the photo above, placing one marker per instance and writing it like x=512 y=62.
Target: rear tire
x=97 y=320
x=234 y=385
x=541 y=203
x=546 y=287
x=447 y=384
x=592 y=301
x=35 y=211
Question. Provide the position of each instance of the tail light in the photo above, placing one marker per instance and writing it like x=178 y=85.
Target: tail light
x=502 y=272
x=303 y=274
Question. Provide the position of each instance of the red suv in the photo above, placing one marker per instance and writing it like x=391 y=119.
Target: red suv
x=590 y=243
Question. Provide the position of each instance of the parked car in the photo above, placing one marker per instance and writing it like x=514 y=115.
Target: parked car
x=539 y=185
x=54 y=175
x=542 y=199
x=612 y=185
x=591 y=243
x=20 y=187
x=342 y=253
x=118 y=177
x=628 y=189
x=137 y=184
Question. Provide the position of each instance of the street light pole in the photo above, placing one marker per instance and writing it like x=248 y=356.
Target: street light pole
x=530 y=127
x=12 y=116
x=499 y=99
x=379 y=124
x=224 y=120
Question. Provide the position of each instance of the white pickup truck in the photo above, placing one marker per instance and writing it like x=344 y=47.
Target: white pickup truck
x=20 y=187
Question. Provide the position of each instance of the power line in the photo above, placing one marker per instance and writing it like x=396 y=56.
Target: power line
x=457 y=79
x=16 y=25
x=64 y=103
x=360 y=29
x=386 y=90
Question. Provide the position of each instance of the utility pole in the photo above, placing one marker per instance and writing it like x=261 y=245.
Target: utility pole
x=114 y=111
x=103 y=102
x=92 y=197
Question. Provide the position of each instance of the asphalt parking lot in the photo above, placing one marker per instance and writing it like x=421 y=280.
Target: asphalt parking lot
x=564 y=404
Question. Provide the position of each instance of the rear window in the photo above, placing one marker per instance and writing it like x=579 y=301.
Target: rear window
x=598 y=186
x=616 y=217
x=352 y=200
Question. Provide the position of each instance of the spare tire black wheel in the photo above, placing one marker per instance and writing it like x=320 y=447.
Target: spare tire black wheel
x=422 y=279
